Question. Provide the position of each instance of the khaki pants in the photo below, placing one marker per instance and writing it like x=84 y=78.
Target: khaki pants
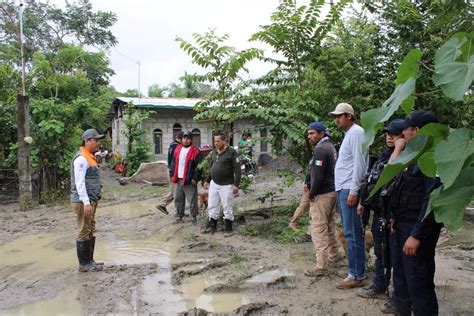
x=302 y=208
x=323 y=228
x=168 y=198
x=85 y=224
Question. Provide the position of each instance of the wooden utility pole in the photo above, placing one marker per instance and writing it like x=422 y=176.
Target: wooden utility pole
x=23 y=122
x=24 y=169
x=24 y=139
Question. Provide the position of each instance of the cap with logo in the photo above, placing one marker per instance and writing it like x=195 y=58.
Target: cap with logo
x=396 y=127
x=420 y=118
x=317 y=126
x=91 y=134
x=343 y=108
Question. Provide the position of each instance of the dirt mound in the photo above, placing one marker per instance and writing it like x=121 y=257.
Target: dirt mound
x=155 y=173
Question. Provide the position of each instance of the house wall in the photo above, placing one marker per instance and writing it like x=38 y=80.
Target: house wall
x=240 y=126
x=165 y=119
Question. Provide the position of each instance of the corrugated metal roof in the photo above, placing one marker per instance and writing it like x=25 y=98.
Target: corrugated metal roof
x=160 y=103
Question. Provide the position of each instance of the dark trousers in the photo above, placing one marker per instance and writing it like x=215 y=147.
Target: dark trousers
x=183 y=193
x=381 y=277
x=413 y=276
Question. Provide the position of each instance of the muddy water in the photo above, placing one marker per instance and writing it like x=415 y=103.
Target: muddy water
x=129 y=210
x=65 y=303
x=35 y=257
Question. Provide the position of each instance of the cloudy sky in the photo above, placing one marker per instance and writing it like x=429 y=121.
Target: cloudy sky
x=146 y=31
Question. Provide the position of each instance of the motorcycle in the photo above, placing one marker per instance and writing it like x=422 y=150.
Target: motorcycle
x=247 y=166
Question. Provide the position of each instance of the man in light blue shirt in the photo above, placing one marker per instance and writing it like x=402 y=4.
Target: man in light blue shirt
x=351 y=167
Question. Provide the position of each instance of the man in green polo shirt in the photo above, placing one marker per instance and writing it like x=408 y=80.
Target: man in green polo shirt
x=222 y=182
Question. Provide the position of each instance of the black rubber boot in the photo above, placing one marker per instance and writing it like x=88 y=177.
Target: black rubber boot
x=211 y=226
x=84 y=255
x=228 y=231
x=99 y=263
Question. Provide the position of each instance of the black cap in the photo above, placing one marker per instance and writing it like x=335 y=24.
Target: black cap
x=188 y=134
x=420 y=118
x=396 y=127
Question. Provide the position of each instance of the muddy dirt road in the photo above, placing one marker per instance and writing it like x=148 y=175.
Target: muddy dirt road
x=156 y=267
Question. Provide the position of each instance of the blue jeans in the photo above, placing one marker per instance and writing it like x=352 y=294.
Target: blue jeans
x=354 y=234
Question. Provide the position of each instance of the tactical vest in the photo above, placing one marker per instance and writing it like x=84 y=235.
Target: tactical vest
x=407 y=195
x=93 y=186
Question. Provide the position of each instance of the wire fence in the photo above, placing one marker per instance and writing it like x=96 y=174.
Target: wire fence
x=9 y=192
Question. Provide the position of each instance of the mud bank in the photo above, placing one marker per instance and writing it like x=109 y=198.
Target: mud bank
x=153 y=266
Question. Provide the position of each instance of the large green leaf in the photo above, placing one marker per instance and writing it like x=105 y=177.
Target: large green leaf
x=454 y=66
x=451 y=154
x=414 y=148
x=372 y=120
x=409 y=67
x=449 y=204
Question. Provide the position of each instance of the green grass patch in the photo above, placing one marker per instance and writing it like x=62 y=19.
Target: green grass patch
x=276 y=227
x=190 y=237
x=236 y=259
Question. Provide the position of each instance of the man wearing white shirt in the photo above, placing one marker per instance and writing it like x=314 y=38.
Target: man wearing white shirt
x=85 y=194
x=350 y=168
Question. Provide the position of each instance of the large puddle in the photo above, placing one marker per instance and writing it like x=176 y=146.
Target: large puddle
x=66 y=303
x=129 y=210
x=31 y=258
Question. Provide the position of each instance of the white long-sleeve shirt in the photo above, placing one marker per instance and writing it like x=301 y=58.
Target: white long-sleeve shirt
x=80 y=168
x=351 y=164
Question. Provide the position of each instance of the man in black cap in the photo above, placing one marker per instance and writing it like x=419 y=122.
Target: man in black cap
x=382 y=274
x=186 y=176
x=414 y=237
x=168 y=198
x=322 y=196
x=85 y=194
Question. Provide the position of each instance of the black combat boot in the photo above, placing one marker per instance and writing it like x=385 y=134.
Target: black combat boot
x=228 y=228
x=84 y=255
x=211 y=226
x=100 y=263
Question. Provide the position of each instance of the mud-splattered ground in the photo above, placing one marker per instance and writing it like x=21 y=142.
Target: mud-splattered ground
x=153 y=266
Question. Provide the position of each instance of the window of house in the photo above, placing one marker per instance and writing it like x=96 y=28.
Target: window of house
x=176 y=128
x=158 y=140
x=196 y=137
x=263 y=144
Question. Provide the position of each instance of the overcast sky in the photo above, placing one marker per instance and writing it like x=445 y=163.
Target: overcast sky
x=146 y=31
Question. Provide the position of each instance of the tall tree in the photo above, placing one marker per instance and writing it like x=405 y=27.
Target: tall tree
x=224 y=64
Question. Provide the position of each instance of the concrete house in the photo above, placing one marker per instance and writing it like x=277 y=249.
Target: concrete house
x=169 y=116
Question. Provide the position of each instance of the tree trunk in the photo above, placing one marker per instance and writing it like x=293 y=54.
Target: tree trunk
x=24 y=170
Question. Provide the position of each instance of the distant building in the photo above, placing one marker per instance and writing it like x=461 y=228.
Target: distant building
x=169 y=116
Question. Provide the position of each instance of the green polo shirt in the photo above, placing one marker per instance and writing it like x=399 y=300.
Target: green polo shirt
x=225 y=167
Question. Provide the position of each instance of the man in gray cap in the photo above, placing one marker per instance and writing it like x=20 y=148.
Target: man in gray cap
x=85 y=194
x=350 y=168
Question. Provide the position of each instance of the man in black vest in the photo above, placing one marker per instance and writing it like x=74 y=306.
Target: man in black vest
x=415 y=237
x=85 y=194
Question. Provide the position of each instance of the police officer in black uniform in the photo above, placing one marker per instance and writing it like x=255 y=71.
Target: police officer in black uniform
x=415 y=237
x=382 y=274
